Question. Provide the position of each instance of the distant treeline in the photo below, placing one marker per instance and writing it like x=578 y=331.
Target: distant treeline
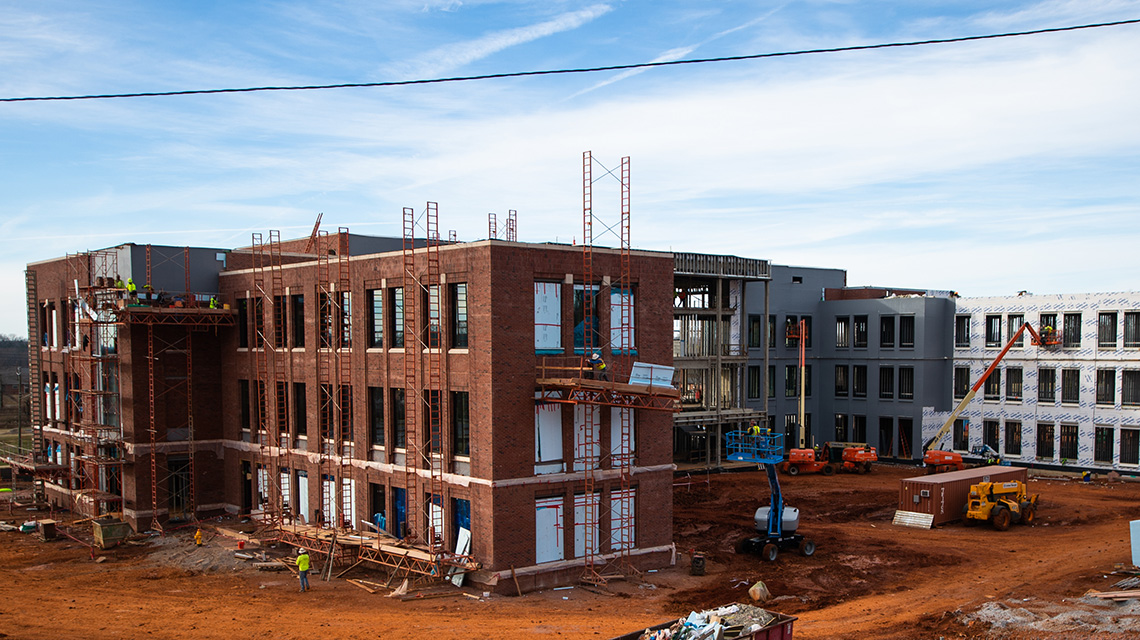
x=13 y=353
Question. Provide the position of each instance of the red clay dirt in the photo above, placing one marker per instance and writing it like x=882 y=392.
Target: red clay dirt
x=868 y=578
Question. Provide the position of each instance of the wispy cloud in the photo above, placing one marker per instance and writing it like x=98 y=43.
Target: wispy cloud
x=453 y=56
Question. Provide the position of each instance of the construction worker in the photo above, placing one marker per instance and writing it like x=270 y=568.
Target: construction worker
x=119 y=282
x=303 y=569
x=132 y=290
x=754 y=430
x=599 y=367
x=213 y=302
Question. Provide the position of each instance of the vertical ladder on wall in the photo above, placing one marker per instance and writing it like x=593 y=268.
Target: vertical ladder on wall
x=346 y=436
x=624 y=460
x=587 y=443
x=263 y=352
x=325 y=370
x=492 y=226
x=434 y=395
x=35 y=365
x=412 y=450
x=277 y=367
x=512 y=226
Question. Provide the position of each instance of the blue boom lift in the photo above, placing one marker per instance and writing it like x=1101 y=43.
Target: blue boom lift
x=775 y=523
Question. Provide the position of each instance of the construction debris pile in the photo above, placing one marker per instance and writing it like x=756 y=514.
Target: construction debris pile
x=727 y=622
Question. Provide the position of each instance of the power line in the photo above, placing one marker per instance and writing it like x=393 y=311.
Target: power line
x=550 y=72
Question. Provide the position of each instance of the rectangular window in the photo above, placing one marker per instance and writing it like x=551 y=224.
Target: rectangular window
x=1013 y=325
x=549 y=530
x=841 y=383
x=623 y=321
x=1106 y=387
x=326 y=319
x=432 y=424
x=1106 y=330
x=906 y=383
x=991 y=390
x=993 y=331
x=1102 y=444
x=1047 y=323
x=807 y=380
x=961 y=382
x=1071 y=386
x=755 y=382
x=243 y=323
x=548 y=437
x=399 y=425
x=300 y=413
x=1132 y=328
x=859 y=381
x=791 y=381
x=344 y=319
x=375 y=317
x=772 y=331
x=376 y=416
x=548 y=317
x=1045 y=441
x=1130 y=388
x=1013 y=385
x=887 y=383
x=906 y=332
x=1130 y=446
x=860 y=332
x=755 y=332
x=842 y=332
x=859 y=428
x=1068 y=443
x=807 y=331
x=887 y=332
x=396 y=317
x=841 y=427
x=1071 y=334
x=961 y=435
x=280 y=322
x=298 y=304
x=460 y=423
x=432 y=312
x=906 y=437
x=886 y=437
x=771 y=381
x=1046 y=385
x=243 y=405
x=1012 y=438
x=586 y=329
x=459 y=315
x=991 y=433
x=962 y=331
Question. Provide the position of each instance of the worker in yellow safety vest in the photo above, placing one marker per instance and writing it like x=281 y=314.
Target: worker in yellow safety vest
x=132 y=290
x=303 y=569
x=599 y=367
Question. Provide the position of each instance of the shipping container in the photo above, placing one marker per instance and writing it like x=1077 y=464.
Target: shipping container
x=943 y=495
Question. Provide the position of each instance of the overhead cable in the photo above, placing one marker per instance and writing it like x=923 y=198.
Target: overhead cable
x=551 y=72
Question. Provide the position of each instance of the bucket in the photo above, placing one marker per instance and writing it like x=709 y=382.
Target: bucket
x=241 y=544
x=697 y=565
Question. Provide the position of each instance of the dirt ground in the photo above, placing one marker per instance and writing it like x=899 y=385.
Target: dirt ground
x=868 y=578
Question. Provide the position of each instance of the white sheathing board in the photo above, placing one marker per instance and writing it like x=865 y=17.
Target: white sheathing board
x=620 y=527
x=462 y=548
x=303 y=496
x=262 y=487
x=547 y=437
x=548 y=530
x=547 y=315
x=584 y=451
x=328 y=493
x=1086 y=355
x=586 y=514
x=436 y=514
x=617 y=298
x=617 y=451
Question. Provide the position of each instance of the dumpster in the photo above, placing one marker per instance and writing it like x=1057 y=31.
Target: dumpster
x=730 y=622
x=109 y=531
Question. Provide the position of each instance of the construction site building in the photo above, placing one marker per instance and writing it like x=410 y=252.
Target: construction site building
x=281 y=381
x=1070 y=403
x=711 y=350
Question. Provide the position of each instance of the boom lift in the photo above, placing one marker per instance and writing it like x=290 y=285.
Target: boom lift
x=775 y=523
x=938 y=460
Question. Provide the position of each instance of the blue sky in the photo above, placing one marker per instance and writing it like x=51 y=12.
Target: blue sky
x=984 y=167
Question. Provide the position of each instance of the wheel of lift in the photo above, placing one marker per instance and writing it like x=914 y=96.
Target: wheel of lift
x=807 y=548
x=769 y=552
x=966 y=520
x=828 y=469
x=1000 y=517
x=1028 y=513
x=793 y=470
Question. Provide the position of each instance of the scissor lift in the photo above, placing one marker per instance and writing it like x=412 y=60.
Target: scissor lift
x=767 y=449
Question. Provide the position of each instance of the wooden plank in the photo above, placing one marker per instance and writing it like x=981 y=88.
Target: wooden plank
x=349 y=569
x=357 y=583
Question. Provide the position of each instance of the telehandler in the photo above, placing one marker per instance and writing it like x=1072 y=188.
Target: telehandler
x=1000 y=503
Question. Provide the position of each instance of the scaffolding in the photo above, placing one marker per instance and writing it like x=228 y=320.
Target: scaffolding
x=267 y=355
x=510 y=230
x=412 y=449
